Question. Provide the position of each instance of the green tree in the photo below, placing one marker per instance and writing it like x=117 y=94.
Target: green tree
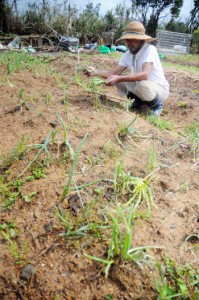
x=156 y=9
x=87 y=25
x=194 y=19
x=5 y=16
x=110 y=21
x=195 y=41
x=36 y=17
x=62 y=17
x=177 y=26
x=123 y=15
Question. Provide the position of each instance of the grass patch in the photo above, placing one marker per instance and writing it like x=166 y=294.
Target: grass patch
x=161 y=123
x=178 y=66
x=192 y=134
x=15 y=61
x=183 y=59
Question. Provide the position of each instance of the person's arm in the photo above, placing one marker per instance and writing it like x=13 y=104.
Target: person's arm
x=103 y=73
x=143 y=75
x=106 y=74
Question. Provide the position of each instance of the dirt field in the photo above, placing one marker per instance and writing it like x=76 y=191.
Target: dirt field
x=42 y=253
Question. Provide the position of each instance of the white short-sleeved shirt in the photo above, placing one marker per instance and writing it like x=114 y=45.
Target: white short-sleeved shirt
x=147 y=53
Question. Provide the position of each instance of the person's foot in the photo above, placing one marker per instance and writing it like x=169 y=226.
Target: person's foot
x=136 y=104
x=157 y=109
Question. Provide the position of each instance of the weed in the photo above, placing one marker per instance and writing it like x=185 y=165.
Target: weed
x=94 y=160
x=27 y=198
x=135 y=188
x=67 y=188
x=184 y=187
x=111 y=150
x=192 y=134
x=13 y=248
x=78 y=77
x=97 y=102
x=66 y=141
x=125 y=129
x=127 y=133
x=80 y=123
x=64 y=157
x=177 y=281
x=107 y=262
x=10 y=200
x=97 y=81
x=38 y=172
x=161 y=123
x=195 y=91
x=34 y=97
x=22 y=99
x=54 y=134
x=74 y=230
x=15 y=153
x=48 y=98
x=10 y=191
x=121 y=240
x=60 y=82
x=43 y=147
x=109 y=297
x=6 y=81
x=83 y=186
x=152 y=160
x=9 y=229
x=97 y=191
x=182 y=104
x=91 y=86
x=65 y=102
x=65 y=136
x=127 y=104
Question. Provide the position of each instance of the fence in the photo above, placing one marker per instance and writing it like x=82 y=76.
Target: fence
x=169 y=42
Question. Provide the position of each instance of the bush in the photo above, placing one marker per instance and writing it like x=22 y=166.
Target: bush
x=195 y=41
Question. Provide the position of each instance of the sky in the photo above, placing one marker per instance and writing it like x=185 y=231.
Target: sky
x=107 y=5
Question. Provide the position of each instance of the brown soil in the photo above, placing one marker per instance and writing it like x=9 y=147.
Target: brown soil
x=62 y=271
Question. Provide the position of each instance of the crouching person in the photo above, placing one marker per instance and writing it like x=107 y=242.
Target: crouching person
x=146 y=83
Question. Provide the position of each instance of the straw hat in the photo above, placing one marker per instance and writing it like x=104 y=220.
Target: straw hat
x=135 y=30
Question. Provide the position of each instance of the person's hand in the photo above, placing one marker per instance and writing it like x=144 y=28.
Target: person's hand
x=113 y=79
x=90 y=71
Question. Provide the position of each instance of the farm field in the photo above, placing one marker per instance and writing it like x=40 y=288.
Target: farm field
x=97 y=202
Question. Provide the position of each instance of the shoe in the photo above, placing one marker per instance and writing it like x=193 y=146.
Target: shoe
x=136 y=104
x=157 y=109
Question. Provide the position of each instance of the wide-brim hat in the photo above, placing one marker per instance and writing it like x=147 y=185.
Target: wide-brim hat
x=135 y=30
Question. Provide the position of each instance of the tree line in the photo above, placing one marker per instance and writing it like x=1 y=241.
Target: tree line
x=89 y=25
